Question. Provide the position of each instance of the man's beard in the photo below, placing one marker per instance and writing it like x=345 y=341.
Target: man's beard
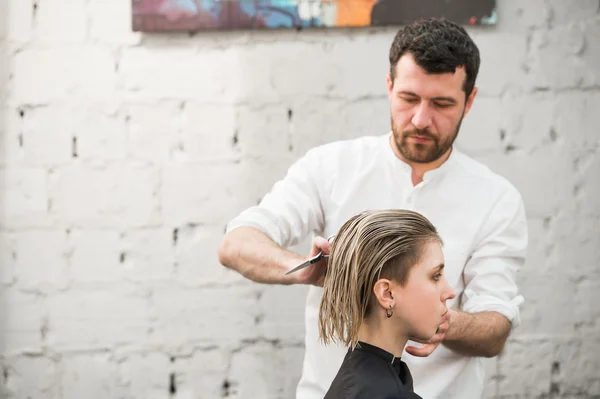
x=423 y=152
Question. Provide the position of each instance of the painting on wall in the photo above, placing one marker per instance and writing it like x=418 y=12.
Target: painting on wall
x=198 y=15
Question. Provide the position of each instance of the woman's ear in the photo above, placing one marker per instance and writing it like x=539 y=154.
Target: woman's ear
x=383 y=292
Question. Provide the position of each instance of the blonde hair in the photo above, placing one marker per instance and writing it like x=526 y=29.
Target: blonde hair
x=369 y=246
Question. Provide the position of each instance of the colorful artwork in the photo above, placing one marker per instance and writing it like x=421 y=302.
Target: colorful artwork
x=195 y=15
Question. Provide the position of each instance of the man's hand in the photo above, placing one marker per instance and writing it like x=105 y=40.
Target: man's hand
x=315 y=273
x=431 y=344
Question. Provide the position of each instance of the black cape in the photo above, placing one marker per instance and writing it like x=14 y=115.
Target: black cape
x=369 y=372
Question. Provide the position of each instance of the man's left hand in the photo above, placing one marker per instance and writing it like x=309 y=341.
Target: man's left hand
x=432 y=343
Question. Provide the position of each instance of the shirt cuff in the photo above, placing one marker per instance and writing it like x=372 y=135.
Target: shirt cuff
x=473 y=303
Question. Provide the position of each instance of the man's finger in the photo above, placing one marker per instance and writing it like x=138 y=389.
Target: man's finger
x=320 y=244
x=424 y=351
x=442 y=328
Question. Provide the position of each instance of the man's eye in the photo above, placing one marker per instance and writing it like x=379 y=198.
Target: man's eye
x=410 y=100
x=443 y=105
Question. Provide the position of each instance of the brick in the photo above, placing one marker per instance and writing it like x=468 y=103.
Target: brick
x=47 y=136
x=85 y=72
x=516 y=15
x=255 y=83
x=189 y=194
x=32 y=377
x=490 y=386
x=144 y=73
x=556 y=51
x=527 y=122
x=539 y=367
x=95 y=256
x=89 y=376
x=96 y=196
x=283 y=320
x=538 y=251
x=591 y=53
x=8 y=256
x=586 y=298
x=302 y=59
x=321 y=122
x=576 y=118
x=579 y=375
x=60 y=21
x=25 y=202
x=364 y=79
x=590 y=187
x=549 y=167
x=200 y=374
x=505 y=49
x=146 y=375
x=182 y=322
x=524 y=367
x=18 y=26
x=152 y=131
x=110 y=22
x=542 y=301
x=22 y=321
x=480 y=129
x=196 y=256
x=565 y=13
x=4 y=74
x=209 y=132
x=85 y=319
x=149 y=254
x=570 y=242
x=263 y=130
x=205 y=374
x=260 y=371
x=11 y=149
x=365 y=117
x=101 y=133
x=41 y=259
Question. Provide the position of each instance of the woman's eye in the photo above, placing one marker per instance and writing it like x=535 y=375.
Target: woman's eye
x=437 y=276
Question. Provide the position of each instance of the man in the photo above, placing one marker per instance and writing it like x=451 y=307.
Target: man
x=479 y=215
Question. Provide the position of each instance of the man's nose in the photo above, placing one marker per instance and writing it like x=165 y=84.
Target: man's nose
x=422 y=117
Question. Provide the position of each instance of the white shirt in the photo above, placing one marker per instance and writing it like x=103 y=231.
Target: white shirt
x=479 y=215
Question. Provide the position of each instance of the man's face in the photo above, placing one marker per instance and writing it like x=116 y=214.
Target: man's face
x=426 y=110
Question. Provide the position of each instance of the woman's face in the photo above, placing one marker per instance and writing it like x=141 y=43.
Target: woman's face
x=421 y=302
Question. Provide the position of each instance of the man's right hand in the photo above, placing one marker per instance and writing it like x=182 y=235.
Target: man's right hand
x=315 y=273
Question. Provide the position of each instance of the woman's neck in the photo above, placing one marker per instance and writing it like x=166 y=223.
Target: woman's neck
x=383 y=334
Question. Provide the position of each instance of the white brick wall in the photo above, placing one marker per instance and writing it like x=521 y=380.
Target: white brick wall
x=123 y=156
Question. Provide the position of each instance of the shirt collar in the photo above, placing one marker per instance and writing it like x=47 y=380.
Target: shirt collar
x=396 y=363
x=404 y=167
x=387 y=356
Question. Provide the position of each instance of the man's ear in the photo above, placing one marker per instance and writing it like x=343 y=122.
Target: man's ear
x=389 y=84
x=470 y=100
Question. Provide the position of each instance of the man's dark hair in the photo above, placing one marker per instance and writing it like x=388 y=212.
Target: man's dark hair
x=438 y=46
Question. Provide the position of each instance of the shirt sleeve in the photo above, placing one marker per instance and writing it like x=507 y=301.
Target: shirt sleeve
x=490 y=272
x=293 y=208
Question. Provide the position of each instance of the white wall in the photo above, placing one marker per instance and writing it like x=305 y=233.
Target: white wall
x=124 y=155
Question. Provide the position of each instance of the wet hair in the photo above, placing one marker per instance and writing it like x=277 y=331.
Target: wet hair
x=369 y=246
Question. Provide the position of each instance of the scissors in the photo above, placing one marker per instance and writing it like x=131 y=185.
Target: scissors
x=312 y=260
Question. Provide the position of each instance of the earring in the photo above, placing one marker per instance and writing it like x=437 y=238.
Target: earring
x=390 y=313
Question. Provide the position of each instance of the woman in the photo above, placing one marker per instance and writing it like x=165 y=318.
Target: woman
x=384 y=284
